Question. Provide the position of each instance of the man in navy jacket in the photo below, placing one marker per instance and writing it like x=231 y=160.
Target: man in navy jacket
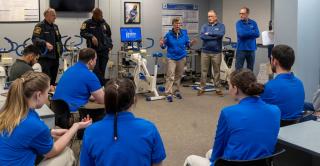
x=247 y=32
x=46 y=36
x=211 y=35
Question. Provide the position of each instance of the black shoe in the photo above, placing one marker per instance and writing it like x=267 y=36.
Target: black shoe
x=178 y=95
x=169 y=98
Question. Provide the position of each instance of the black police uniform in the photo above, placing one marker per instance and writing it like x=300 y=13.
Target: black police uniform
x=101 y=30
x=44 y=32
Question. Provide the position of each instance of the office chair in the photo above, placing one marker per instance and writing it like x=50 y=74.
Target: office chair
x=265 y=161
x=306 y=115
x=62 y=113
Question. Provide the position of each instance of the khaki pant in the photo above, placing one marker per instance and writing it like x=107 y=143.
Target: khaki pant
x=194 y=160
x=215 y=60
x=175 y=69
x=66 y=158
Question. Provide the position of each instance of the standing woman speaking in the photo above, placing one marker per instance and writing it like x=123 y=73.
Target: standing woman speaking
x=176 y=41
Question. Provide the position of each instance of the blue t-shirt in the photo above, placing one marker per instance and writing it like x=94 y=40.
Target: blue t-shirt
x=176 y=44
x=247 y=32
x=76 y=85
x=287 y=92
x=247 y=130
x=138 y=143
x=30 y=138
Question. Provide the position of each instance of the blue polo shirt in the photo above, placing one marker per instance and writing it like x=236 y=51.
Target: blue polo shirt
x=138 y=143
x=247 y=130
x=247 y=32
x=287 y=92
x=29 y=139
x=76 y=85
x=176 y=44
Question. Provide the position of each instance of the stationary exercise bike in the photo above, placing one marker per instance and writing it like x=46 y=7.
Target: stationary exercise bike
x=143 y=80
x=5 y=61
x=135 y=56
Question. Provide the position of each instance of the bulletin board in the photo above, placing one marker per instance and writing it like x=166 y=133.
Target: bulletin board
x=188 y=13
x=19 y=11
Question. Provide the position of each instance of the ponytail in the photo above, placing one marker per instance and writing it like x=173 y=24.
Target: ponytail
x=16 y=106
x=246 y=81
x=254 y=88
x=119 y=96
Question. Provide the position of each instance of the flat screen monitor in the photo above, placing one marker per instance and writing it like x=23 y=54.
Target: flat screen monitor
x=72 y=5
x=130 y=34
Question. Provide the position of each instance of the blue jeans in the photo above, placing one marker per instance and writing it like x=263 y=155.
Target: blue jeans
x=241 y=56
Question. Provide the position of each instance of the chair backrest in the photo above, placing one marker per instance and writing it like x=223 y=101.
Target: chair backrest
x=265 y=161
x=59 y=106
x=62 y=113
x=284 y=123
x=306 y=115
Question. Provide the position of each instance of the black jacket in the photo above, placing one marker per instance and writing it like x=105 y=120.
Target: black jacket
x=44 y=32
x=99 y=29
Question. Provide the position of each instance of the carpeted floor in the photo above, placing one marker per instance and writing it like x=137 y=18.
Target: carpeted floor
x=186 y=126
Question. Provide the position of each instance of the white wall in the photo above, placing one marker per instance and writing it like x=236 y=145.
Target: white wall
x=308 y=59
x=296 y=25
x=69 y=23
x=260 y=11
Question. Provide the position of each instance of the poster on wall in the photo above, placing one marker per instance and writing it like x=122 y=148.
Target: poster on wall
x=132 y=13
x=19 y=10
x=188 y=14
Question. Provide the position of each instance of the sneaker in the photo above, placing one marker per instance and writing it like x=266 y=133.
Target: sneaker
x=169 y=98
x=200 y=92
x=219 y=93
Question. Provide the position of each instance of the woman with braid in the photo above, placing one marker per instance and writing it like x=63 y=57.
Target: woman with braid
x=121 y=138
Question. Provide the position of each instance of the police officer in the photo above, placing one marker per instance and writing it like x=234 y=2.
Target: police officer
x=47 y=37
x=98 y=35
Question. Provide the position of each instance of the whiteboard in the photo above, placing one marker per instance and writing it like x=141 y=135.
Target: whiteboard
x=19 y=10
x=260 y=11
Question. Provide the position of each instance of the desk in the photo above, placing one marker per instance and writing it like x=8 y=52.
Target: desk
x=302 y=142
x=44 y=112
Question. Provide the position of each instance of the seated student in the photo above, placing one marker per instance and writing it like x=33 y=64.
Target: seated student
x=23 y=135
x=247 y=130
x=286 y=90
x=23 y=64
x=121 y=138
x=78 y=83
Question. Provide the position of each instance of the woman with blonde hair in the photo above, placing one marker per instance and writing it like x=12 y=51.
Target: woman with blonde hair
x=23 y=136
